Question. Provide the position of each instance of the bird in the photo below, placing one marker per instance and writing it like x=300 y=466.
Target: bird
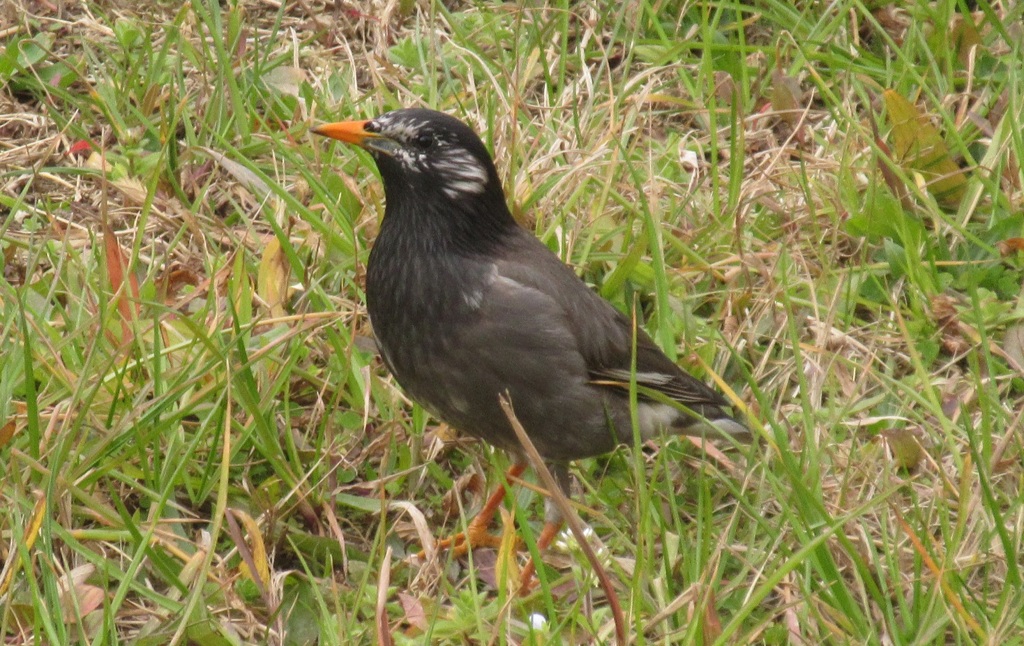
x=467 y=306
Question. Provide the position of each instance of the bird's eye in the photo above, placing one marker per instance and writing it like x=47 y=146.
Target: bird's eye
x=425 y=140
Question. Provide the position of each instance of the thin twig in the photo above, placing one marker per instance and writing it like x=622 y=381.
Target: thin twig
x=572 y=520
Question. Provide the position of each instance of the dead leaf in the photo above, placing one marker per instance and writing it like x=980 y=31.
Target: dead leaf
x=712 y=625
x=906 y=451
x=272 y=280
x=98 y=161
x=965 y=37
x=125 y=296
x=285 y=79
x=956 y=337
x=415 y=615
x=786 y=98
x=257 y=549
x=384 y=637
x=485 y=561
x=725 y=88
x=6 y=432
x=893 y=20
x=173 y=280
x=77 y=598
x=245 y=177
x=1013 y=344
x=1010 y=246
x=919 y=148
x=133 y=189
x=78 y=602
x=467 y=483
x=950 y=405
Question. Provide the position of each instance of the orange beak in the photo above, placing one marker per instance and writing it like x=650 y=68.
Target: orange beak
x=355 y=132
x=351 y=132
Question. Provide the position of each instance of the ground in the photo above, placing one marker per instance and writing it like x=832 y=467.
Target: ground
x=815 y=207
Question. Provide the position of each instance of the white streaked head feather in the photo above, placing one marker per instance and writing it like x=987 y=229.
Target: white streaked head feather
x=463 y=174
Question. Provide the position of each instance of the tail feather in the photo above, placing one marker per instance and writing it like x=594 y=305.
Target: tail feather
x=732 y=428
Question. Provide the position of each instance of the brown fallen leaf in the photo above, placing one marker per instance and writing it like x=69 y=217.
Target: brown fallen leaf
x=173 y=280
x=712 y=624
x=6 y=432
x=415 y=615
x=285 y=79
x=956 y=337
x=125 y=294
x=965 y=37
x=1013 y=344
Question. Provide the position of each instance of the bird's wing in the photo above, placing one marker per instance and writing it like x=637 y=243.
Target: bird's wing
x=603 y=335
x=520 y=342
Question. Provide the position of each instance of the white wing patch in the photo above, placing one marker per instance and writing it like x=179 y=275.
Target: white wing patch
x=473 y=299
x=511 y=283
x=642 y=378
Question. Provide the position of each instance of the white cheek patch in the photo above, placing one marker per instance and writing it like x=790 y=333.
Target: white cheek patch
x=412 y=161
x=463 y=174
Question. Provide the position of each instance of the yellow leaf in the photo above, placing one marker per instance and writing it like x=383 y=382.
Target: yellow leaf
x=256 y=547
x=507 y=567
x=786 y=97
x=31 y=533
x=272 y=281
x=133 y=189
x=919 y=148
x=906 y=451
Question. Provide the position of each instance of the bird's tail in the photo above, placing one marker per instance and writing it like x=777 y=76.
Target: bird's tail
x=731 y=427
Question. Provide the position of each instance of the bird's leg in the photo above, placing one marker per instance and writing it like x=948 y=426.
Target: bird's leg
x=476 y=534
x=551 y=529
x=552 y=525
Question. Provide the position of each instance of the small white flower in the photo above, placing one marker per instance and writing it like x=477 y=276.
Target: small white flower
x=538 y=621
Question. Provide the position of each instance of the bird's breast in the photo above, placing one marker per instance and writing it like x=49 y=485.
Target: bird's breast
x=417 y=302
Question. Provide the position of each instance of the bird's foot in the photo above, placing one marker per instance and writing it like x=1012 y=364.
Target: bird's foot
x=476 y=535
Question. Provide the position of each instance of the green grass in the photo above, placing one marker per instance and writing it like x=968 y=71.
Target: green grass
x=717 y=164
